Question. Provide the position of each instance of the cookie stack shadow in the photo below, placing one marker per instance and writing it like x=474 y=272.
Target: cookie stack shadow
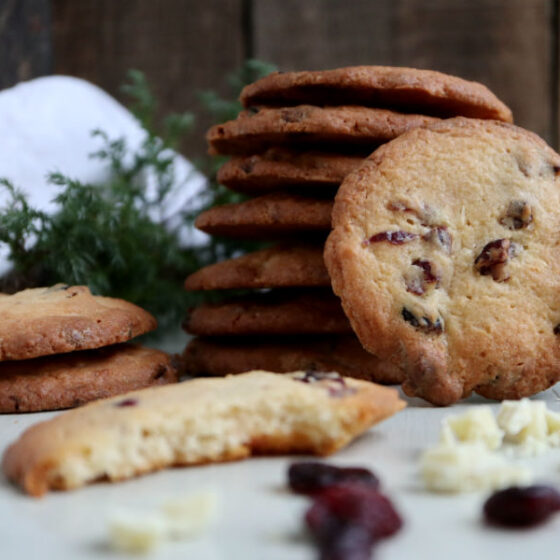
x=300 y=135
x=61 y=347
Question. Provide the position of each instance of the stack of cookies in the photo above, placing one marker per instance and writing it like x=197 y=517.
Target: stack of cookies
x=300 y=135
x=61 y=347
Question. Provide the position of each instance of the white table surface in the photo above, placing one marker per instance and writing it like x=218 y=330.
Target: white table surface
x=259 y=519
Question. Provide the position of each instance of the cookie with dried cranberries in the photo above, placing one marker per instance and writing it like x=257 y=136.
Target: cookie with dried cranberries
x=446 y=255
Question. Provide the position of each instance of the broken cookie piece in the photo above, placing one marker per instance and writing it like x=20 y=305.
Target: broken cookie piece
x=198 y=421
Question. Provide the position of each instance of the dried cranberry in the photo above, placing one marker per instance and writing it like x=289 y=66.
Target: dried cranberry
x=518 y=215
x=423 y=323
x=331 y=380
x=311 y=376
x=357 y=505
x=522 y=507
x=493 y=259
x=312 y=477
x=393 y=237
x=127 y=402
x=346 y=542
x=418 y=283
x=430 y=276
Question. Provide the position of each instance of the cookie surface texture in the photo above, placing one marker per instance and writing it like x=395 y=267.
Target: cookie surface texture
x=198 y=421
x=274 y=214
x=423 y=91
x=73 y=379
x=342 y=353
x=308 y=125
x=284 y=265
x=279 y=168
x=445 y=255
x=45 y=321
x=304 y=312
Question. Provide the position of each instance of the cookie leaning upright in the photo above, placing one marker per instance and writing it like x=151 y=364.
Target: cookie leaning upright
x=445 y=254
x=45 y=321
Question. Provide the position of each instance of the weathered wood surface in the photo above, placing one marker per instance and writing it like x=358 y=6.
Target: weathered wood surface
x=505 y=44
x=25 y=40
x=185 y=46
x=182 y=47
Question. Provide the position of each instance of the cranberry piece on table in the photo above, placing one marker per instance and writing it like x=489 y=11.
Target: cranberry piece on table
x=522 y=507
x=312 y=477
x=346 y=521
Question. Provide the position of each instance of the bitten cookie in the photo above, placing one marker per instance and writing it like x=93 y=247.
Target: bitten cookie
x=44 y=321
x=411 y=89
x=70 y=380
x=312 y=311
x=282 y=266
x=258 y=129
x=445 y=254
x=199 y=421
x=279 y=168
x=281 y=354
x=270 y=215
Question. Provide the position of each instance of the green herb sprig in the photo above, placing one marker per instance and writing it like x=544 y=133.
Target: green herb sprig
x=105 y=235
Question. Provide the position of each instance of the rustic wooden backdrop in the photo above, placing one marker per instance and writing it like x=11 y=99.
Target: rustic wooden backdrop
x=185 y=46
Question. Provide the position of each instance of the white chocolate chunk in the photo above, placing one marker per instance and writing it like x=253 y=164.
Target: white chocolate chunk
x=136 y=531
x=465 y=467
x=530 y=426
x=475 y=425
x=190 y=516
x=139 y=531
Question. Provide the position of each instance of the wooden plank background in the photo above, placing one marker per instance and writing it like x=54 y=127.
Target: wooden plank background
x=185 y=46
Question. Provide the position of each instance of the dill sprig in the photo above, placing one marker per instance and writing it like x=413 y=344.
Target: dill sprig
x=112 y=236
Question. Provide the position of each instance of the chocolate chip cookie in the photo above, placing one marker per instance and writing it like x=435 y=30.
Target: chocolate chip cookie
x=311 y=311
x=281 y=266
x=281 y=354
x=45 y=321
x=410 y=89
x=353 y=127
x=268 y=216
x=280 y=169
x=73 y=379
x=445 y=254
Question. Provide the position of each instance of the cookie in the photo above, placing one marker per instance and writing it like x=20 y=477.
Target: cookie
x=70 y=380
x=408 y=89
x=45 y=321
x=313 y=311
x=445 y=255
x=194 y=422
x=309 y=126
x=281 y=266
x=266 y=216
x=281 y=169
x=341 y=353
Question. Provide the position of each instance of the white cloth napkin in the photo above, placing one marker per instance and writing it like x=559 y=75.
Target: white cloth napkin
x=46 y=126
